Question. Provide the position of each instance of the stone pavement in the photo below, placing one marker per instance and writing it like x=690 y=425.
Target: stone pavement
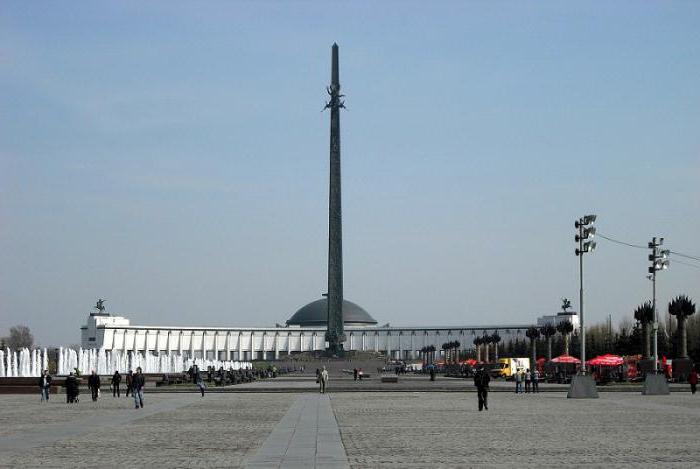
x=306 y=437
x=418 y=430
x=369 y=429
x=182 y=430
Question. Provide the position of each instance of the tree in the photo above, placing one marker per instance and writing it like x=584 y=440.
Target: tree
x=20 y=337
x=644 y=314
x=533 y=334
x=681 y=307
x=565 y=328
x=548 y=331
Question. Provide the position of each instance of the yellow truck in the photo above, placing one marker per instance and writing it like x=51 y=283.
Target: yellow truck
x=508 y=366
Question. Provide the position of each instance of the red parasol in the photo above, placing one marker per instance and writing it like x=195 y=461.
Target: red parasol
x=566 y=359
x=606 y=360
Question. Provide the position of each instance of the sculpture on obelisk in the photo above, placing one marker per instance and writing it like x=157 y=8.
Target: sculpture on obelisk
x=335 y=335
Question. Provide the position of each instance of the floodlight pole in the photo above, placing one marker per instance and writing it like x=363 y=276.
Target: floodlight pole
x=655 y=326
x=586 y=231
x=580 y=297
x=659 y=261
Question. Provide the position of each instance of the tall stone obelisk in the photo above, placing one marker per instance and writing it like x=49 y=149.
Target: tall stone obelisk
x=335 y=334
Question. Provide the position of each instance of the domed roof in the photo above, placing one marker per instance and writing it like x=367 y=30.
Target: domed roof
x=316 y=314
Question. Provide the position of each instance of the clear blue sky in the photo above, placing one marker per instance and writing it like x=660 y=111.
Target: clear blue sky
x=172 y=157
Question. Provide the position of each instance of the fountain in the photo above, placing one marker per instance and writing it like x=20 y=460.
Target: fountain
x=27 y=363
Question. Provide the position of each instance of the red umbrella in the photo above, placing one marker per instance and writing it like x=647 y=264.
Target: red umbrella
x=606 y=360
x=566 y=359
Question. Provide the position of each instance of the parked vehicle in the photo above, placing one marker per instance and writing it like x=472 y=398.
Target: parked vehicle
x=508 y=366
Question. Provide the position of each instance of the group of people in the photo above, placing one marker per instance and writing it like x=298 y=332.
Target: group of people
x=357 y=373
x=134 y=386
x=531 y=380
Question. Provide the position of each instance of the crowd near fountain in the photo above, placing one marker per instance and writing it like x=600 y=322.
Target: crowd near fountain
x=28 y=363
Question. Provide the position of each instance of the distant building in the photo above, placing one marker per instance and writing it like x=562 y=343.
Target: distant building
x=556 y=319
x=305 y=332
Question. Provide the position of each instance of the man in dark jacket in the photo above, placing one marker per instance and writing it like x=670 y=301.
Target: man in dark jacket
x=45 y=385
x=72 y=390
x=116 y=379
x=481 y=381
x=94 y=385
x=137 y=384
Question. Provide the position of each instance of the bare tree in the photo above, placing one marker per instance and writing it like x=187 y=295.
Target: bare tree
x=20 y=336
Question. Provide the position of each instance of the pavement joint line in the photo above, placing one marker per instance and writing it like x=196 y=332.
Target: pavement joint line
x=314 y=439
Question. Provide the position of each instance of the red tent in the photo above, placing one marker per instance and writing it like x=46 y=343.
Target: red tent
x=606 y=360
x=566 y=359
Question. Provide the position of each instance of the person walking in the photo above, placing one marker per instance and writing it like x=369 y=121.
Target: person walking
x=536 y=381
x=72 y=389
x=692 y=379
x=94 y=385
x=45 y=385
x=200 y=384
x=481 y=381
x=354 y=374
x=528 y=380
x=116 y=379
x=137 y=383
x=518 y=382
x=129 y=382
x=323 y=380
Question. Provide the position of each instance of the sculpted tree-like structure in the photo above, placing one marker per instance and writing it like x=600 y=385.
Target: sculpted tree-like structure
x=495 y=339
x=477 y=342
x=565 y=328
x=548 y=331
x=681 y=307
x=644 y=314
x=533 y=334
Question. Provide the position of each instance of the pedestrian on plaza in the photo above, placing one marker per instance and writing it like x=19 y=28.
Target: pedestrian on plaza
x=692 y=379
x=354 y=374
x=137 y=384
x=481 y=381
x=431 y=369
x=72 y=389
x=536 y=381
x=528 y=380
x=360 y=373
x=318 y=376
x=200 y=384
x=94 y=385
x=323 y=380
x=518 y=382
x=45 y=385
x=116 y=379
x=129 y=383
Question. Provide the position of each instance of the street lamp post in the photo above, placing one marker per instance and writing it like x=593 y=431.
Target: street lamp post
x=585 y=232
x=659 y=261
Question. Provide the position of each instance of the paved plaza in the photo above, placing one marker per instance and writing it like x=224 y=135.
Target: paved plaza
x=352 y=429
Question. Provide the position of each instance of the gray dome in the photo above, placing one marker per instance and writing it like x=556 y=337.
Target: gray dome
x=315 y=314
